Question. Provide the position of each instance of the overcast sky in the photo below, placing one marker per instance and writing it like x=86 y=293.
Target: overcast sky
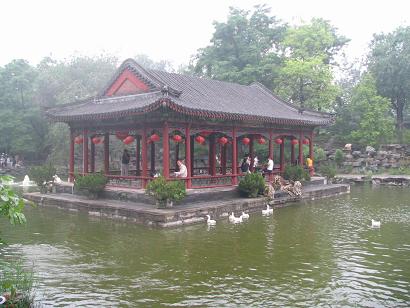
x=171 y=30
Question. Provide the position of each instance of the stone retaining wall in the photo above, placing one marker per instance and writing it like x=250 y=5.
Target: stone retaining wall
x=179 y=215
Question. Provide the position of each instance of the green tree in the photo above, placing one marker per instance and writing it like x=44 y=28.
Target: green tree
x=306 y=77
x=375 y=123
x=243 y=49
x=389 y=62
x=308 y=83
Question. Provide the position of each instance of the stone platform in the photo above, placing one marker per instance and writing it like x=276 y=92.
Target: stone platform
x=216 y=202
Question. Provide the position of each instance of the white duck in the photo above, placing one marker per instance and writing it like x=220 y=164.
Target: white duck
x=245 y=215
x=210 y=221
x=375 y=223
x=235 y=220
x=268 y=210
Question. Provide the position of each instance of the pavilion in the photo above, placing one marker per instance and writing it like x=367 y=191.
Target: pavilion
x=176 y=114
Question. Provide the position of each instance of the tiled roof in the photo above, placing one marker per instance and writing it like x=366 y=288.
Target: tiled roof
x=193 y=96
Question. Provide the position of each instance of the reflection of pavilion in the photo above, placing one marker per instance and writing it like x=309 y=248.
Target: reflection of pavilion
x=187 y=116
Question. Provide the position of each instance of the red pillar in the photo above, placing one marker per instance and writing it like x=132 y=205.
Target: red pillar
x=292 y=153
x=212 y=153
x=107 y=153
x=282 y=155
x=188 y=155
x=234 y=157
x=270 y=151
x=138 y=156
x=311 y=146
x=85 y=151
x=152 y=160
x=192 y=141
x=223 y=159
x=251 y=153
x=144 y=157
x=176 y=155
x=92 y=155
x=71 y=167
x=165 y=149
x=301 y=162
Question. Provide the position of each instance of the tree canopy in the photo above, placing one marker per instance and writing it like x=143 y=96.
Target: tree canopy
x=389 y=62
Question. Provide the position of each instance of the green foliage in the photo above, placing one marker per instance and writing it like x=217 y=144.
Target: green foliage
x=243 y=49
x=372 y=114
x=17 y=283
x=306 y=77
x=252 y=185
x=339 y=157
x=399 y=171
x=296 y=173
x=319 y=154
x=11 y=205
x=163 y=190
x=93 y=184
x=42 y=174
x=328 y=170
x=308 y=83
x=389 y=64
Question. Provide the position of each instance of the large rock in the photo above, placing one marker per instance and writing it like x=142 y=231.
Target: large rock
x=370 y=149
x=347 y=147
x=356 y=154
x=357 y=164
x=348 y=157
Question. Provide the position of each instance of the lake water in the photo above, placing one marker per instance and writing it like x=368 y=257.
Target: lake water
x=312 y=254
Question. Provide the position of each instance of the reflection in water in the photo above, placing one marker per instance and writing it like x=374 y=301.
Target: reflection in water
x=317 y=253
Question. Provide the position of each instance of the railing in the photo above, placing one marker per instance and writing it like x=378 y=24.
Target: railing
x=197 y=181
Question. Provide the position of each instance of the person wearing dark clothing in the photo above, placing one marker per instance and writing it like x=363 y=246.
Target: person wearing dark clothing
x=246 y=162
x=125 y=163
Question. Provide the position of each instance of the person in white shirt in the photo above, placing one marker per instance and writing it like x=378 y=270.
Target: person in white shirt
x=269 y=166
x=255 y=162
x=182 y=173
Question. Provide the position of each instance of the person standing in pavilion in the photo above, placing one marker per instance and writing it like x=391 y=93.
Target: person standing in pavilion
x=125 y=162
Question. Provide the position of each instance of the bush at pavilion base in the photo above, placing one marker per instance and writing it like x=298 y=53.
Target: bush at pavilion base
x=166 y=192
x=91 y=184
x=42 y=176
x=252 y=185
x=296 y=173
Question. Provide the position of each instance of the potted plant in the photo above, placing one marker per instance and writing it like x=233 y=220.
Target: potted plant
x=166 y=193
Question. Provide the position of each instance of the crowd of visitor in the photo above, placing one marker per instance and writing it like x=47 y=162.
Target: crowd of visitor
x=9 y=161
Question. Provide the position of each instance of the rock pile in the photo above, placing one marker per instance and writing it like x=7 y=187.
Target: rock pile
x=388 y=156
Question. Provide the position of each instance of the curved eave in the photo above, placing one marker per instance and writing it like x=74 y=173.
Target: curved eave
x=167 y=102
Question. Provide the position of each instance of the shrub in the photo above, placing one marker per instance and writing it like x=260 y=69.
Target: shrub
x=16 y=284
x=328 y=170
x=252 y=185
x=93 y=184
x=319 y=154
x=296 y=173
x=164 y=191
x=339 y=157
x=41 y=175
